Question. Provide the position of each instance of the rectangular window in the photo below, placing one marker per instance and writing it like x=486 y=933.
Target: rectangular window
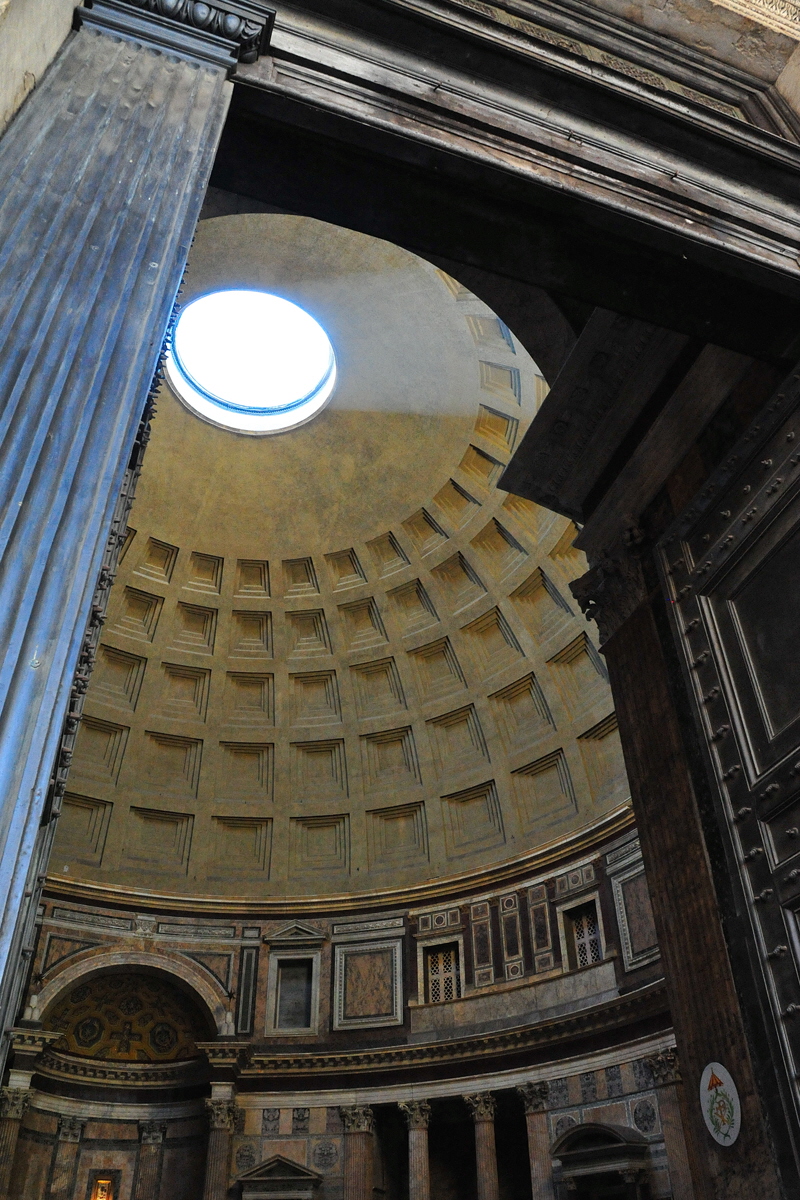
x=442 y=976
x=583 y=935
x=293 y=993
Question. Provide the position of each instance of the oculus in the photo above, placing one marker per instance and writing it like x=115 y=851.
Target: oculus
x=250 y=361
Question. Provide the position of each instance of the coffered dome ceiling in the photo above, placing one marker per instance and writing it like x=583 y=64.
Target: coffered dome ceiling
x=340 y=659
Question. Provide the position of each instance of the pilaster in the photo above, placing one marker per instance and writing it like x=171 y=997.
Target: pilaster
x=14 y=1102
x=62 y=1183
x=534 y=1096
x=148 y=1166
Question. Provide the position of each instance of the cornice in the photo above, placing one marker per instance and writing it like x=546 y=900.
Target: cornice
x=435 y=891
x=254 y=1062
x=59 y=1065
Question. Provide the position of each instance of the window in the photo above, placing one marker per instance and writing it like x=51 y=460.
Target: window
x=103 y=1188
x=442 y=974
x=584 y=945
x=250 y=361
x=293 y=993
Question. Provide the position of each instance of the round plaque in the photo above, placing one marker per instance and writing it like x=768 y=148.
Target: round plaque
x=719 y=1101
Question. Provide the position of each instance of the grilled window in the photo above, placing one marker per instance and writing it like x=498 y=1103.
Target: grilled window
x=442 y=973
x=583 y=940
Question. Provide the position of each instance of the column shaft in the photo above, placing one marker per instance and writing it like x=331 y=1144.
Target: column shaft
x=102 y=175
x=419 y=1172
x=482 y=1106
x=221 y=1114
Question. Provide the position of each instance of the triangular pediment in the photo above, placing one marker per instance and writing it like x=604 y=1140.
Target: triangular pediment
x=298 y=933
x=277 y=1167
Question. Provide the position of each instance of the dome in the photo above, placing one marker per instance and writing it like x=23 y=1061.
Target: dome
x=342 y=659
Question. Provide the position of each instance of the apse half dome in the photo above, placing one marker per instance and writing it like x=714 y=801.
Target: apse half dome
x=251 y=361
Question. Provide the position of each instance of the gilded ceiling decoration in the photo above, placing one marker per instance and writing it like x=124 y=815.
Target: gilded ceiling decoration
x=126 y=1018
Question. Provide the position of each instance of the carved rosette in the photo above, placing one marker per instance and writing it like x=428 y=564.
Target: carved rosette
x=482 y=1105
x=151 y=1133
x=221 y=1114
x=69 y=1129
x=357 y=1118
x=534 y=1096
x=665 y=1067
x=14 y=1103
x=417 y=1113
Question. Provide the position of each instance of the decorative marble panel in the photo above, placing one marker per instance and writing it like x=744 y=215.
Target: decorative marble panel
x=368 y=987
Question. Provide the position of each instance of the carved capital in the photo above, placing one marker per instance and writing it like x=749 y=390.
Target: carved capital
x=482 y=1105
x=221 y=1114
x=69 y=1129
x=611 y=591
x=417 y=1113
x=535 y=1096
x=14 y=1102
x=151 y=1133
x=665 y=1067
x=357 y=1118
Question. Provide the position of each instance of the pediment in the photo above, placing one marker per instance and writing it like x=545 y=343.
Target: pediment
x=296 y=934
x=280 y=1172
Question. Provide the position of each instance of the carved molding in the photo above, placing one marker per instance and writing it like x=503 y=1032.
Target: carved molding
x=417 y=1113
x=781 y=15
x=248 y=25
x=14 y=1103
x=665 y=1067
x=357 y=1118
x=482 y=1105
x=221 y=1114
x=534 y=1096
x=648 y=1002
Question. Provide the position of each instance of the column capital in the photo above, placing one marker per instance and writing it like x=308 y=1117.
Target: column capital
x=357 y=1118
x=534 y=1096
x=151 y=1133
x=665 y=1066
x=417 y=1113
x=482 y=1105
x=221 y=1114
x=14 y=1102
x=70 y=1129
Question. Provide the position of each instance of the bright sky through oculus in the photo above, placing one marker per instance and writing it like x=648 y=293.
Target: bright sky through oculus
x=251 y=361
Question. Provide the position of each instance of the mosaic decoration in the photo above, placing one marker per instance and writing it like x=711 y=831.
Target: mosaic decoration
x=127 y=1018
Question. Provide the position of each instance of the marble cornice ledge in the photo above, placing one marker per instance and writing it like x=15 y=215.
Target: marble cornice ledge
x=252 y=1062
x=434 y=891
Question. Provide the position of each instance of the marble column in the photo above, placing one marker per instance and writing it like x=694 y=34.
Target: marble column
x=102 y=176
x=221 y=1114
x=66 y=1158
x=418 y=1116
x=482 y=1106
x=359 y=1151
x=148 y=1167
x=13 y=1104
x=534 y=1096
x=667 y=1077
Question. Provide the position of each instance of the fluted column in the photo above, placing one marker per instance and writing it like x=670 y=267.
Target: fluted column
x=148 y=1167
x=482 y=1106
x=359 y=1124
x=102 y=177
x=13 y=1103
x=418 y=1116
x=667 y=1077
x=66 y=1160
x=220 y=1119
x=534 y=1096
